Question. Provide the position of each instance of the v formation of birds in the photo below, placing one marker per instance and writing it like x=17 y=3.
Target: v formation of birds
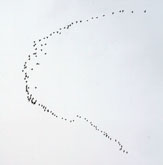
x=38 y=47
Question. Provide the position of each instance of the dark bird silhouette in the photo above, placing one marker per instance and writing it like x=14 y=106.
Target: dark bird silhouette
x=29 y=97
x=33 y=101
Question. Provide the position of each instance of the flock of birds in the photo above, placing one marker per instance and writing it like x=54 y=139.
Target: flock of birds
x=38 y=49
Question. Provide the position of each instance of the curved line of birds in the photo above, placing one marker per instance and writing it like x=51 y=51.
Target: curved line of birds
x=38 y=48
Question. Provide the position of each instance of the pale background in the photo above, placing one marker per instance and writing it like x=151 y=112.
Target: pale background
x=109 y=70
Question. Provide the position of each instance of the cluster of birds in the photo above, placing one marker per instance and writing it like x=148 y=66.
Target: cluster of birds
x=38 y=48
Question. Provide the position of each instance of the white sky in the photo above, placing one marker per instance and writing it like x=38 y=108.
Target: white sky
x=109 y=70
